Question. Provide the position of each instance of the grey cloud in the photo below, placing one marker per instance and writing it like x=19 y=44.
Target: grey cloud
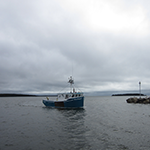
x=39 y=47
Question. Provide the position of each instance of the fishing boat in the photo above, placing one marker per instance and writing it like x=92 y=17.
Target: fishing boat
x=72 y=99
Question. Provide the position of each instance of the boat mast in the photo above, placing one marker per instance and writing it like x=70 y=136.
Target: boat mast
x=71 y=81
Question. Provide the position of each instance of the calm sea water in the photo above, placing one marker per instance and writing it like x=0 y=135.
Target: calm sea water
x=105 y=123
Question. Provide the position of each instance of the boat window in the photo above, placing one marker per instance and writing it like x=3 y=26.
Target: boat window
x=72 y=95
x=66 y=96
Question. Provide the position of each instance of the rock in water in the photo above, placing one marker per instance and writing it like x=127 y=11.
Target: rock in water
x=145 y=100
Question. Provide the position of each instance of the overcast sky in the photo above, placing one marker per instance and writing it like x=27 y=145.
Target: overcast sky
x=104 y=44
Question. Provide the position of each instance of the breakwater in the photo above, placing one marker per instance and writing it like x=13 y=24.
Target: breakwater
x=145 y=100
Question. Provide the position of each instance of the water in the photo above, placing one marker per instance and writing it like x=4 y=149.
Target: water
x=105 y=123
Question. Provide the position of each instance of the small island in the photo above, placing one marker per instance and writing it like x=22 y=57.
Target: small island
x=129 y=94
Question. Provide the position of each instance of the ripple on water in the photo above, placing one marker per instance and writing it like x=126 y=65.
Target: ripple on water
x=107 y=123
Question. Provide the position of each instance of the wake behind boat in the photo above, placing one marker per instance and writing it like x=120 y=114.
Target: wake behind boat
x=68 y=100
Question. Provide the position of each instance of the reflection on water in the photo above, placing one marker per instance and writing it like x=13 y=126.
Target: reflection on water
x=74 y=127
x=72 y=122
x=70 y=128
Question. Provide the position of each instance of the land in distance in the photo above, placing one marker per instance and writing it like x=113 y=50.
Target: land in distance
x=129 y=94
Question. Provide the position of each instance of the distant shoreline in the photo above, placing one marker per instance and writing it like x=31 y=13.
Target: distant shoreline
x=16 y=95
x=129 y=94
x=55 y=95
x=25 y=95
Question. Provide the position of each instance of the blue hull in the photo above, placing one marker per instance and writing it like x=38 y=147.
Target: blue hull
x=70 y=103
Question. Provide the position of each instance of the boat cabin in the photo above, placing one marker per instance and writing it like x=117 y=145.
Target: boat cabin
x=66 y=96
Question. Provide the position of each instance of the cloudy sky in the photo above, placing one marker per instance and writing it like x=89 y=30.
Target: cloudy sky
x=104 y=44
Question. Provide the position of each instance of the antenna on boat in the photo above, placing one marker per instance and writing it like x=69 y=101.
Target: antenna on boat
x=71 y=81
